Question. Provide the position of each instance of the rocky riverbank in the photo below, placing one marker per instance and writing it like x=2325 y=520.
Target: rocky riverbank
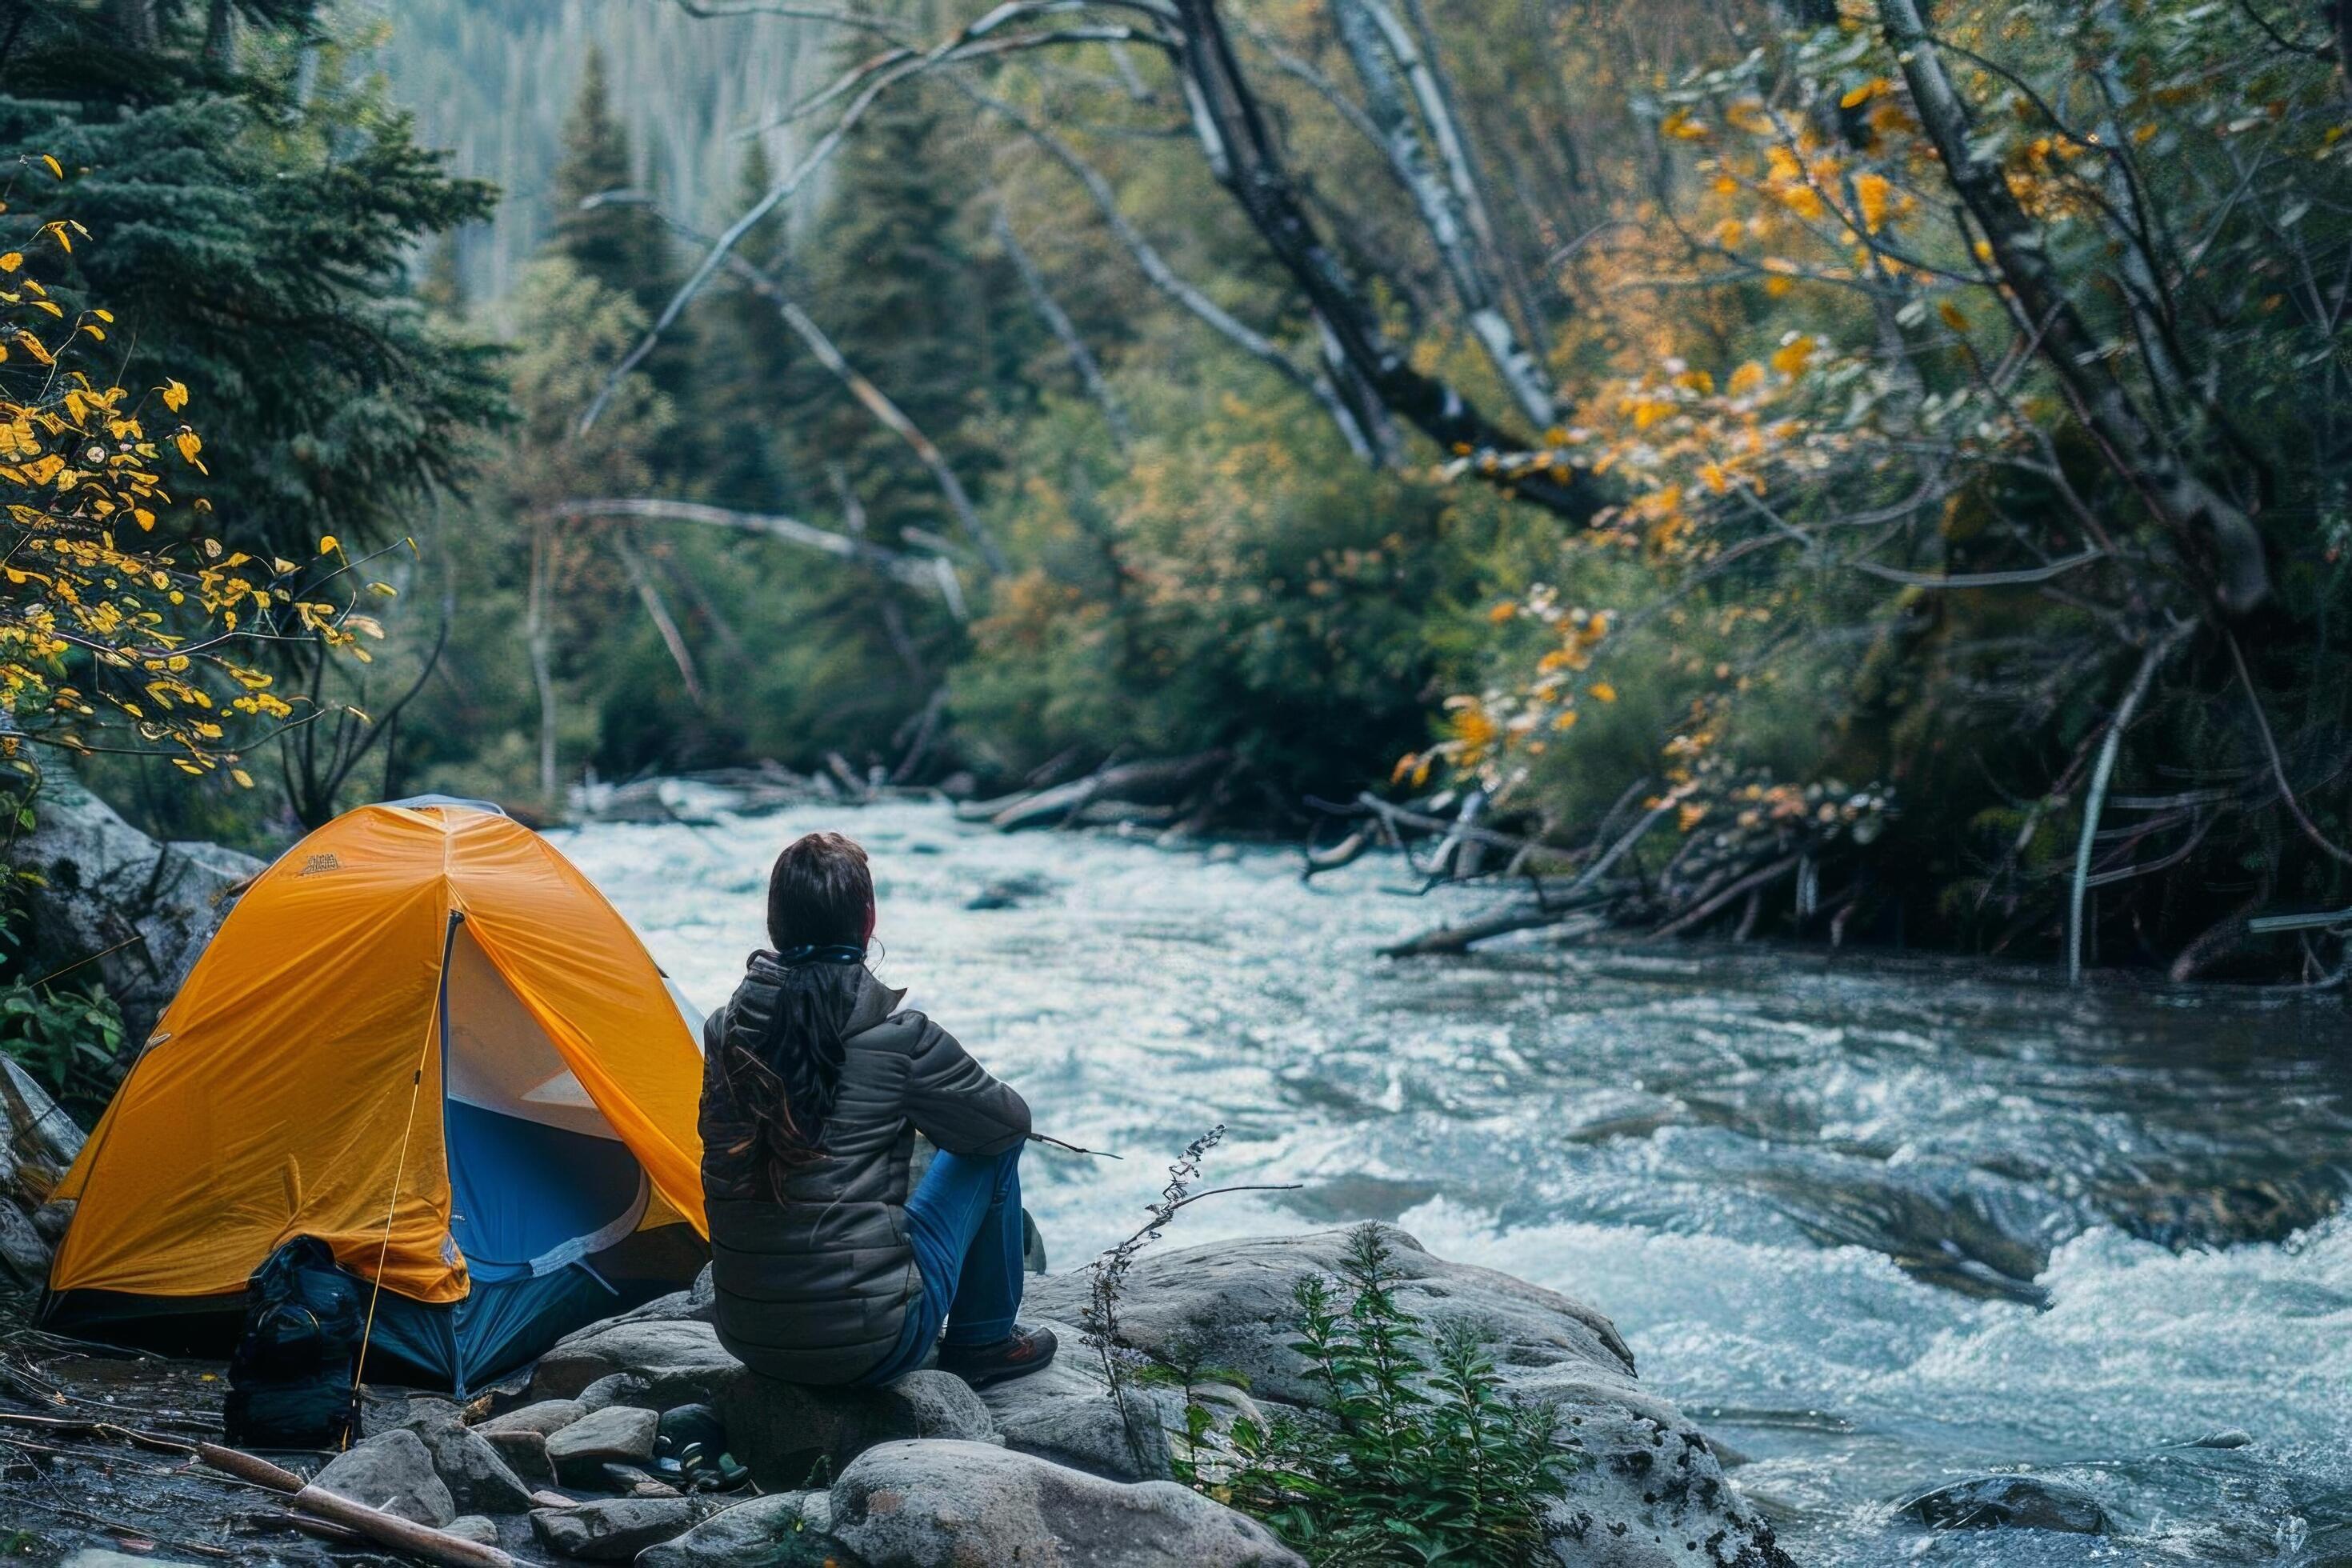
x=1057 y=1469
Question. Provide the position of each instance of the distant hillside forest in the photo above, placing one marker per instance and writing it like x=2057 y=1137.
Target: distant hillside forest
x=1869 y=470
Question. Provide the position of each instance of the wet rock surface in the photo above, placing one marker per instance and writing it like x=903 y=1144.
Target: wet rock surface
x=789 y=1433
x=616 y=1434
x=679 y=1360
x=613 y=1529
x=1650 y=1491
x=392 y=1471
x=146 y=909
x=2016 y=1503
x=479 y=1479
x=926 y=1502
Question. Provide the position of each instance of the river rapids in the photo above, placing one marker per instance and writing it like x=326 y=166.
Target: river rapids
x=1876 y=1224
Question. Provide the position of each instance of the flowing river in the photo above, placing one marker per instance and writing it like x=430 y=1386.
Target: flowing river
x=1875 y=1223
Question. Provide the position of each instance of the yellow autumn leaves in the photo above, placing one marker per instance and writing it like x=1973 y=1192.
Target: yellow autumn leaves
x=104 y=626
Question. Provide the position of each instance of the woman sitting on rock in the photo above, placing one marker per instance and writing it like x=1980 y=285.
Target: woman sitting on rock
x=827 y=1269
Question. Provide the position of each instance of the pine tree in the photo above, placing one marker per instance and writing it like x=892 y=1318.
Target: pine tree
x=891 y=278
x=621 y=245
x=746 y=354
x=290 y=196
x=625 y=246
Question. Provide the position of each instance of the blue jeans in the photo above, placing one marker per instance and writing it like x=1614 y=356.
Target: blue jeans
x=964 y=1221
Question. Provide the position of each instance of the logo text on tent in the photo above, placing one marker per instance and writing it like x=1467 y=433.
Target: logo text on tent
x=318 y=863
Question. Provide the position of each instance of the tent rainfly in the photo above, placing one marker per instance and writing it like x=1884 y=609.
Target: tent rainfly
x=425 y=1038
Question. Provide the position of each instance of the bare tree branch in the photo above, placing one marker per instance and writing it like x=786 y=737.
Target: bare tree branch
x=1164 y=278
x=870 y=80
x=1065 y=331
x=1980 y=579
x=876 y=402
x=927 y=572
x=650 y=595
x=2199 y=517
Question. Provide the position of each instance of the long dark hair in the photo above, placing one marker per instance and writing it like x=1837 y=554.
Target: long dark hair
x=820 y=918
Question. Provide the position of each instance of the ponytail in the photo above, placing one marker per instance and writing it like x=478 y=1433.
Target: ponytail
x=820 y=917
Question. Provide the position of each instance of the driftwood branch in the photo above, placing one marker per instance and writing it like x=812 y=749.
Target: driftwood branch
x=384 y=1528
x=1155 y=783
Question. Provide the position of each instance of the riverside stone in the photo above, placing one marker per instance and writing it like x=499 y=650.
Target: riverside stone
x=392 y=1471
x=680 y=1360
x=784 y=1431
x=479 y=1529
x=478 y=1478
x=145 y=910
x=525 y=1452
x=37 y=1143
x=618 y=1388
x=1650 y=1484
x=545 y=1418
x=782 y=1530
x=613 y=1529
x=906 y=1505
x=618 y=1432
x=2019 y=1502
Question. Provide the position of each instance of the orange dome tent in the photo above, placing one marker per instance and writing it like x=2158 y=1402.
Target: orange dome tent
x=425 y=1038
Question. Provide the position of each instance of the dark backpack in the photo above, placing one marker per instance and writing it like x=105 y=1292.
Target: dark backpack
x=290 y=1378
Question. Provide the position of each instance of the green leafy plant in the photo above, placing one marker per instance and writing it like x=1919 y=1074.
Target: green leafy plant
x=1417 y=1454
x=71 y=1040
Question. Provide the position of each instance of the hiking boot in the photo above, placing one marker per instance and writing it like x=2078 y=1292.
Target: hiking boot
x=1019 y=1353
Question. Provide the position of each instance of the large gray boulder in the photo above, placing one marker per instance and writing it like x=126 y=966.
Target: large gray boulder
x=618 y=1434
x=478 y=1478
x=394 y=1472
x=679 y=1358
x=924 y=1503
x=1067 y=1414
x=906 y=1505
x=110 y=886
x=613 y=1529
x=791 y=1435
x=1650 y=1491
x=37 y=1143
x=782 y=1529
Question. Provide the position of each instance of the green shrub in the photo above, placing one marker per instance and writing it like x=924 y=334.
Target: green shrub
x=1416 y=1454
x=71 y=1040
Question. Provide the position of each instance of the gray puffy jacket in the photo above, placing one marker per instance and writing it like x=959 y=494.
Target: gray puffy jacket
x=813 y=1282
